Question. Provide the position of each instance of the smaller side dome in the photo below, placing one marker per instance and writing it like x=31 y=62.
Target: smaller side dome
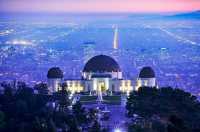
x=55 y=72
x=147 y=72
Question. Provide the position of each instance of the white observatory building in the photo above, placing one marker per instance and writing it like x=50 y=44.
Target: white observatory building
x=146 y=78
x=101 y=72
x=55 y=76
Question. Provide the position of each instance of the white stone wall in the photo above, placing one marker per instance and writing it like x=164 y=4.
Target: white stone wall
x=115 y=85
x=54 y=84
x=75 y=85
x=147 y=82
x=114 y=75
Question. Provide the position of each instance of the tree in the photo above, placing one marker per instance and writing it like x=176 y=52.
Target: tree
x=23 y=111
x=137 y=128
x=51 y=126
x=21 y=107
x=142 y=102
x=64 y=101
x=92 y=114
x=42 y=88
x=176 y=124
x=95 y=127
x=79 y=113
x=8 y=92
x=73 y=125
x=2 y=121
x=40 y=124
x=162 y=103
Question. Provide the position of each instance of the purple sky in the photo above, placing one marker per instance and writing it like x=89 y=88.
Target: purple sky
x=99 y=5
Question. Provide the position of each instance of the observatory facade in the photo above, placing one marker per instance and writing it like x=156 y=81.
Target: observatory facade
x=101 y=73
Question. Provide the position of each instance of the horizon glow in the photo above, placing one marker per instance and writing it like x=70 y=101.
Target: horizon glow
x=99 y=6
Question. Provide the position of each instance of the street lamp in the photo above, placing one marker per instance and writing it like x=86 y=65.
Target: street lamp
x=117 y=130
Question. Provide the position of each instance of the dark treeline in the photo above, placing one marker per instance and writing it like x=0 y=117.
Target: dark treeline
x=151 y=110
x=163 y=110
x=23 y=111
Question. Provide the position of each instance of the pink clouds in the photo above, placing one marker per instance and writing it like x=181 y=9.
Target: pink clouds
x=99 y=5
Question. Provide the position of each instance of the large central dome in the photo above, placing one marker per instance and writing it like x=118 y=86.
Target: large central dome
x=101 y=63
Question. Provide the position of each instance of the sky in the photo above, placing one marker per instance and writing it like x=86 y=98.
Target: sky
x=95 y=6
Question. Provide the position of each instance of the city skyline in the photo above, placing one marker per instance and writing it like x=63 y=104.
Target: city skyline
x=99 y=65
x=99 y=6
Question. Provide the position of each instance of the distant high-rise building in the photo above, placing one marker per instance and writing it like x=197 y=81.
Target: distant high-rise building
x=164 y=55
x=115 y=40
x=88 y=50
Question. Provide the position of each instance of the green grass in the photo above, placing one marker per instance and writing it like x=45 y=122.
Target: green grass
x=88 y=98
x=112 y=100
